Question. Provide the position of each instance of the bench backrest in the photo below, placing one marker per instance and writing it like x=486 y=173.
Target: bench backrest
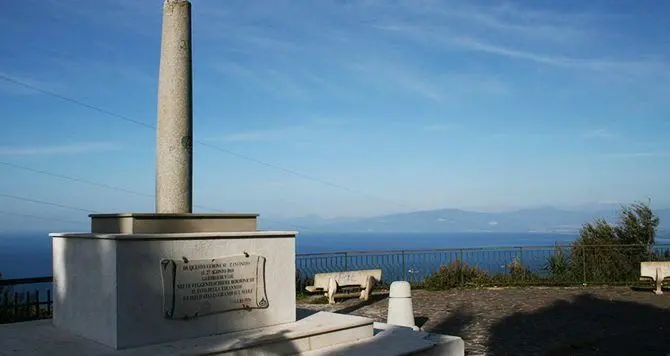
x=648 y=269
x=348 y=278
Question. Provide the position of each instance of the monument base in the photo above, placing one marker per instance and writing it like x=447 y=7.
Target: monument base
x=131 y=290
x=319 y=334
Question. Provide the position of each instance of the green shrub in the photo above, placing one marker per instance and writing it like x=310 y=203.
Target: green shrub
x=558 y=264
x=596 y=259
x=518 y=273
x=453 y=275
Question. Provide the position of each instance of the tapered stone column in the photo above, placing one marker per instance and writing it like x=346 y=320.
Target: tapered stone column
x=174 y=143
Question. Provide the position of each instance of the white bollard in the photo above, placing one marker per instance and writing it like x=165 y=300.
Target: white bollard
x=400 y=310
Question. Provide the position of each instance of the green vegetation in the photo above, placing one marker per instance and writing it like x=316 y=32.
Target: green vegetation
x=603 y=254
x=458 y=274
x=455 y=274
x=635 y=232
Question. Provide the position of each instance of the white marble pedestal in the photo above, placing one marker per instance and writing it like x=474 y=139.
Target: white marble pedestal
x=111 y=288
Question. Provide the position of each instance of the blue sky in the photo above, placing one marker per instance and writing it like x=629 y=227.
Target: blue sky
x=412 y=104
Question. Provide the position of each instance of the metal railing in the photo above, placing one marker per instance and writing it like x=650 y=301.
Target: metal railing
x=459 y=267
x=26 y=304
x=520 y=265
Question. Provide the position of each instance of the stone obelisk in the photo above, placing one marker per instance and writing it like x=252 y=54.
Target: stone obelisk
x=174 y=141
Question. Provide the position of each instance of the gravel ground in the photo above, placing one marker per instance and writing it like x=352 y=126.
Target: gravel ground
x=535 y=320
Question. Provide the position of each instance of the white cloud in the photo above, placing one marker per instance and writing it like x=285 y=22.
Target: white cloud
x=282 y=133
x=75 y=148
x=651 y=154
x=438 y=127
x=540 y=37
x=595 y=64
x=21 y=85
x=601 y=133
x=302 y=132
x=343 y=56
x=244 y=136
x=277 y=48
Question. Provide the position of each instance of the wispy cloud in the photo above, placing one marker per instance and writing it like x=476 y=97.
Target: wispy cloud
x=20 y=85
x=596 y=64
x=351 y=56
x=98 y=56
x=502 y=20
x=651 y=154
x=438 y=127
x=542 y=37
x=273 y=80
x=281 y=133
x=296 y=131
x=373 y=44
x=446 y=38
x=601 y=133
x=531 y=24
x=389 y=75
x=76 y=148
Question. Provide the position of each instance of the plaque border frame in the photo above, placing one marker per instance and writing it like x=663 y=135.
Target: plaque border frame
x=169 y=275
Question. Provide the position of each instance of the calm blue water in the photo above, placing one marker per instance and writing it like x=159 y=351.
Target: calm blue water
x=29 y=255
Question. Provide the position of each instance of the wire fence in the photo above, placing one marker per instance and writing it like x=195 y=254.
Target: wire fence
x=31 y=298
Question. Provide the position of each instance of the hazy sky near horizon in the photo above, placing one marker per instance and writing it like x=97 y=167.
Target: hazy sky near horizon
x=407 y=104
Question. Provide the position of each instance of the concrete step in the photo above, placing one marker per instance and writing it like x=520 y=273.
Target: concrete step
x=315 y=331
x=387 y=342
x=318 y=334
x=397 y=340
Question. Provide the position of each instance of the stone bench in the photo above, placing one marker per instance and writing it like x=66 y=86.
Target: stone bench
x=330 y=283
x=655 y=271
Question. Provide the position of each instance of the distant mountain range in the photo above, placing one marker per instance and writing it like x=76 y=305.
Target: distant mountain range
x=547 y=219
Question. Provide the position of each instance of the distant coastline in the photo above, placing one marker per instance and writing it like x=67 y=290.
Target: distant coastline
x=25 y=254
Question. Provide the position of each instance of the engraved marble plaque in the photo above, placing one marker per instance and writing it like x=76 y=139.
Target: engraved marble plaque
x=193 y=288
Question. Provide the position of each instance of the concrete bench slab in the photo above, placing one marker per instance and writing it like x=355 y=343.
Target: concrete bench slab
x=657 y=271
x=330 y=283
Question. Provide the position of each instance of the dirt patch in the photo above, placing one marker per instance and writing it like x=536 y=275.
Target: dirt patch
x=537 y=320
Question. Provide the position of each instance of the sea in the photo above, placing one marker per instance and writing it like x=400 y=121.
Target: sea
x=25 y=255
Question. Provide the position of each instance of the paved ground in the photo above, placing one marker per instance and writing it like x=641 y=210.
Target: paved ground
x=535 y=320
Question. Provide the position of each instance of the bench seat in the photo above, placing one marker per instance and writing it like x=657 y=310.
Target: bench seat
x=656 y=271
x=330 y=283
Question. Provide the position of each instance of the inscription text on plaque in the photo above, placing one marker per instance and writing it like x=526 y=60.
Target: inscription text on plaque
x=193 y=288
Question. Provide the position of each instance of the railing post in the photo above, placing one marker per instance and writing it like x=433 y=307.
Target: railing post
x=37 y=304
x=404 y=269
x=16 y=305
x=523 y=269
x=462 y=267
x=26 y=306
x=584 y=264
x=49 y=302
x=345 y=261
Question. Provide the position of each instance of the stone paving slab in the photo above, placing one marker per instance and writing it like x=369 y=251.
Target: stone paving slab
x=536 y=320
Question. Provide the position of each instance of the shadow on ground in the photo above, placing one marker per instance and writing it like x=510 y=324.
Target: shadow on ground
x=371 y=300
x=585 y=325
x=420 y=321
x=455 y=323
x=302 y=313
x=647 y=289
